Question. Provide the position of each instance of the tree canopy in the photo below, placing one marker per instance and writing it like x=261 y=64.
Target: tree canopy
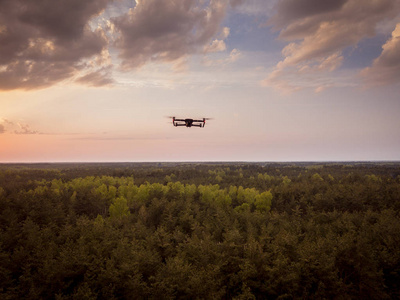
x=202 y=231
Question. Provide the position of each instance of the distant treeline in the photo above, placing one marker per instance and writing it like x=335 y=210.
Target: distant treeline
x=200 y=231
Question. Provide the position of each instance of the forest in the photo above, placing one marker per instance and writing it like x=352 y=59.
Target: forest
x=200 y=230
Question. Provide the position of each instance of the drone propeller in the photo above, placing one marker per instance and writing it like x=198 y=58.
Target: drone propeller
x=173 y=119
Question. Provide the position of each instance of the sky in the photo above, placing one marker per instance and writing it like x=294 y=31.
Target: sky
x=282 y=80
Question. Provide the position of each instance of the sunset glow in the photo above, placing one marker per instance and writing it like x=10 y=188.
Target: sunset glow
x=289 y=80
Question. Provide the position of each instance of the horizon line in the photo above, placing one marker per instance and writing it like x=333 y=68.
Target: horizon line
x=203 y=161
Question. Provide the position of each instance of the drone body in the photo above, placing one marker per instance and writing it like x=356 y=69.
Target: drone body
x=189 y=122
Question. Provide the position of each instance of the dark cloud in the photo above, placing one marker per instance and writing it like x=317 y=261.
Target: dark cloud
x=289 y=10
x=44 y=41
x=2 y=129
x=167 y=30
x=63 y=20
x=34 y=74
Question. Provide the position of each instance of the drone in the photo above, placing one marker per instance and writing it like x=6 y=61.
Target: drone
x=189 y=122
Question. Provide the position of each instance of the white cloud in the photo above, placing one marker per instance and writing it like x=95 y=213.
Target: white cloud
x=233 y=56
x=318 y=32
x=218 y=45
x=386 y=68
x=215 y=46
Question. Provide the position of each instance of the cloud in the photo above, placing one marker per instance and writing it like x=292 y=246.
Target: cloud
x=165 y=31
x=25 y=129
x=289 y=78
x=44 y=42
x=235 y=3
x=4 y=124
x=8 y=122
x=215 y=46
x=319 y=31
x=16 y=127
x=253 y=7
x=386 y=68
x=233 y=56
x=288 y=11
x=218 y=45
x=101 y=77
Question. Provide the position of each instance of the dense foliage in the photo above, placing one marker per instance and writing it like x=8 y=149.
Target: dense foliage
x=205 y=230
